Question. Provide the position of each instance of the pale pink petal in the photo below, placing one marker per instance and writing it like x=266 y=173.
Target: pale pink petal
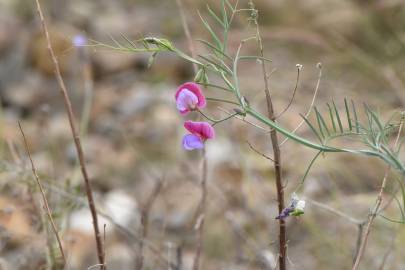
x=186 y=100
x=195 y=88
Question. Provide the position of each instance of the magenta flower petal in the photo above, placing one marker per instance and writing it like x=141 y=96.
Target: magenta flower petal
x=202 y=129
x=184 y=91
x=191 y=142
x=186 y=100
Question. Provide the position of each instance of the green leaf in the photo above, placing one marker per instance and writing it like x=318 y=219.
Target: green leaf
x=337 y=116
x=208 y=44
x=130 y=42
x=222 y=100
x=224 y=14
x=161 y=43
x=348 y=115
x=230 y=6
x=213 y=15
x=217 y=65
x=212 y=33
x=376 y=119
x=372 y=135
x=401 y=185
x=215 y=86
x=254 y=57
x=220 y=60
x=151 y=59
x=321 y=122
x=311 y=127
x=332 y=119
x=115 y=41
x=198 y=78
x=356 y=121
x=297 y=213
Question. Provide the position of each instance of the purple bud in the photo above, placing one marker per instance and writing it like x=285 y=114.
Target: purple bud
x=79 y=41
x=285 y=213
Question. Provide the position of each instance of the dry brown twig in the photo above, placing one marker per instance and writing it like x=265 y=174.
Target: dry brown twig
x=45 y=201
x=144 y=222
x=276 y=157
x=355 y=221
x=130 y=235
x=395 y=82
x=76 y=138
x=201 y=217
x=391 y=247
x=374 y=212
x=250 y=242
x=259 y=152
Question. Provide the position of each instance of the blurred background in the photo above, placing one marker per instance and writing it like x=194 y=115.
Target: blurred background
x=132 y=133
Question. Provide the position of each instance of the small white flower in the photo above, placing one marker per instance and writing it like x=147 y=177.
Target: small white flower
x=300 y=205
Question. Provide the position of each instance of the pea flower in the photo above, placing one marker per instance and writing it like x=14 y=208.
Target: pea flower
x=299 y=208
x=296 y=208
x=200 y=132
x=189 y=97
x=79 y=41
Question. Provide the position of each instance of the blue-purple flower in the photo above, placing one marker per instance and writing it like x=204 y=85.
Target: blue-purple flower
x=296 y=208
x=79 y=41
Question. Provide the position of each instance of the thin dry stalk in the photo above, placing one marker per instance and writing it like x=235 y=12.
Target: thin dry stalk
x=187 y=32
x=243 y=119
x=76 y=138
x=395 y=82
x=359 y=236
x=391 y=247
x=201 y=217
x=335 y=211
x=370 y=221
x=355 y=221
x=130 y=235
x=299 y=67
x=250 y=242
x=373 y=214
x=45 y=201
x=145 y=221
x=276 y=158
x=319 y=66
x=258 y=152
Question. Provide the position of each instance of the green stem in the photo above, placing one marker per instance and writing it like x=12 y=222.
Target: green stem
x=224 y=119
x=307 y=171
x=222 y=100
x=235 y=75
x=290 y=135
x=216 y=121
x=215 y=86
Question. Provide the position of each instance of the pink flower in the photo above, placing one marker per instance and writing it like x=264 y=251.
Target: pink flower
x=189 y=97
x=200 y=132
